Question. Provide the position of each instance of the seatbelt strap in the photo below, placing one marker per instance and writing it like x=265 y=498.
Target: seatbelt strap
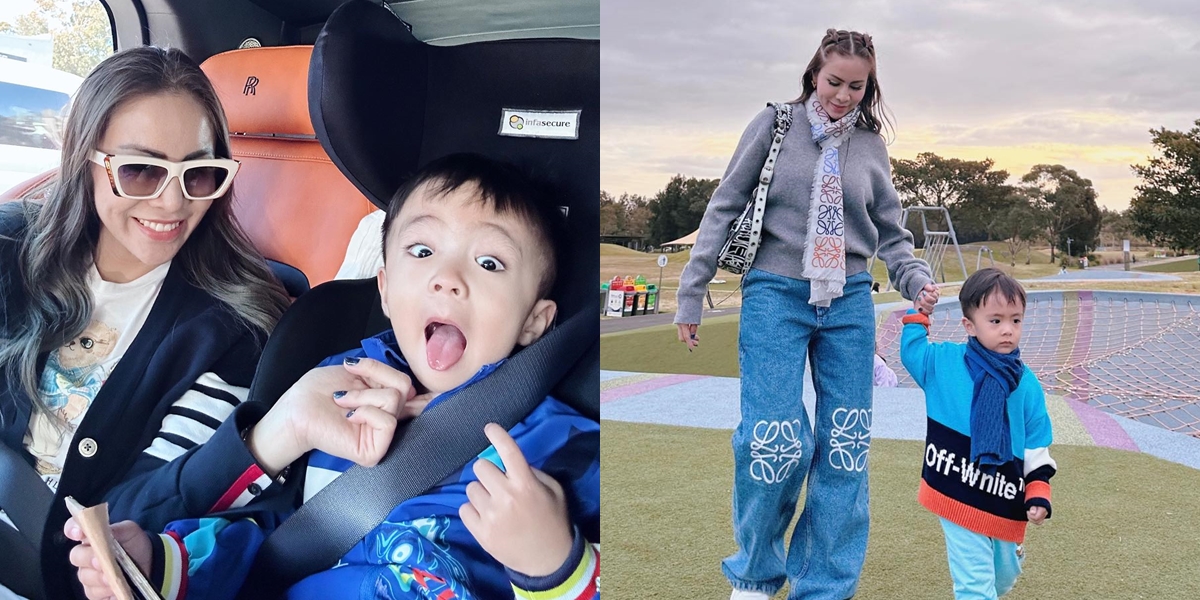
x=423 y=453
x=23 y=495
x=26 y=499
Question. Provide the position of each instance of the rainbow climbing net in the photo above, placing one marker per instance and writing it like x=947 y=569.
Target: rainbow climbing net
x=1132 y=354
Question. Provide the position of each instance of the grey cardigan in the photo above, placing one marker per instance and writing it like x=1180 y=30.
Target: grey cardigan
x=871 y=207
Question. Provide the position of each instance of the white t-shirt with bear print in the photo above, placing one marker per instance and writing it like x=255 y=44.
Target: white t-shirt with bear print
x=75 y=372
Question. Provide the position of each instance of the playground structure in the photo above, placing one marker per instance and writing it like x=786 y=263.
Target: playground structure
x=1132 y=354
x=936 y=243
x=979 y=257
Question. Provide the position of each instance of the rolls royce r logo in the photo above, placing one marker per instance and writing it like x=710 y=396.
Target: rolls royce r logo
x=251 y=83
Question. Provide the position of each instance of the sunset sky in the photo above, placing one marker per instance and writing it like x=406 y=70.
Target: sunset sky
x=1022 y=82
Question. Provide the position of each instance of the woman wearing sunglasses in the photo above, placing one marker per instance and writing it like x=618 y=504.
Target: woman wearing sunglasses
x=132 y=308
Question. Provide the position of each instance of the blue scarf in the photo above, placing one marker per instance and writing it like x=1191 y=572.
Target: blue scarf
x=995 y=375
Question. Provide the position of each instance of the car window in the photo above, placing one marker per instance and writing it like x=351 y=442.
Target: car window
x=30 y=116
x=46 y=47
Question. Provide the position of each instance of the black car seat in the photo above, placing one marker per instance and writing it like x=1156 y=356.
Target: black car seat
x=384 y=103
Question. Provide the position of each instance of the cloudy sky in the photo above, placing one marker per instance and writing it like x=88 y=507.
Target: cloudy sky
x=11 y=8
x=1022 y=82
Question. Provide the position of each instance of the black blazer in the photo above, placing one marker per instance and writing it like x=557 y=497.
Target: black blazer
x=188 y=333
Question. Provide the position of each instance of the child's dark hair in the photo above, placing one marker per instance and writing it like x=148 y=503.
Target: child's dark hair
x=984 y=283
x=502 y=186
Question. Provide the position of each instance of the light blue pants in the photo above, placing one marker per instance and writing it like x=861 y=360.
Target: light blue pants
x=982 y=568
x=775 y=448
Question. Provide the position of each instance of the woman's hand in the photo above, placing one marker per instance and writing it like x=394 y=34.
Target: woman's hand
x=688 y=334
x=926 y=299
x=349 y=410
x=127 y=533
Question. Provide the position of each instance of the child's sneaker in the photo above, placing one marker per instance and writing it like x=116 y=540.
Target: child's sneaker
x=748 y=595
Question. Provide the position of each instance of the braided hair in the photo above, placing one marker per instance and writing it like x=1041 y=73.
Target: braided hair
x=872 y=113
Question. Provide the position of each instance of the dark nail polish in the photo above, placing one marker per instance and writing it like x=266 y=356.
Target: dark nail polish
x=350 y=361
x=350 y=414
x=338 y=394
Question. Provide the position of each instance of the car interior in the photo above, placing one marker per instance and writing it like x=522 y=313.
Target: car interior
x=333 y=104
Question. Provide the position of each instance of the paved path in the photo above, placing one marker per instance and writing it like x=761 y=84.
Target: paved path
x=1098 y=274
x=898 y=413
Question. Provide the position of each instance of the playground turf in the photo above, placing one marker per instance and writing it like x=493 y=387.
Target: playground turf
x=1125 y=525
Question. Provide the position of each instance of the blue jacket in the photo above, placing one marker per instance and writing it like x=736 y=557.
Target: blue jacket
x=188 y=334
x=422 y=549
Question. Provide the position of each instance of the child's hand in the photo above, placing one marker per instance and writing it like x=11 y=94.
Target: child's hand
x=127 y=533
x=350 y=411
x=927 y=298
x=1036 y=514
x=688 y=334
x=518 y=516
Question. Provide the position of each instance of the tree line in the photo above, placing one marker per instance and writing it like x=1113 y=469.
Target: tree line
x=80 y=32
x=1050 y=204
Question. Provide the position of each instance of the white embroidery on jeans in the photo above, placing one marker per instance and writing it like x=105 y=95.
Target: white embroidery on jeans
x=850 y=439
x=774 y=458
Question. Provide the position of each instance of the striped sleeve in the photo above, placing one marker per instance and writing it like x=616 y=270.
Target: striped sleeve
x=245 y=488
x=168 y=565
x=193 y=419
x=1039 y=468
x=1039 y=465
x=195 y=416
x=577 y=579
x=203 y=558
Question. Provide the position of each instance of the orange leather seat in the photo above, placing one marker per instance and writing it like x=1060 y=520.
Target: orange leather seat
x=290 y=198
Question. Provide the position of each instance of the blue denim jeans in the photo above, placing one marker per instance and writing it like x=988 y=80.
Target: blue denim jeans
x=774 y=446
x=982 y=568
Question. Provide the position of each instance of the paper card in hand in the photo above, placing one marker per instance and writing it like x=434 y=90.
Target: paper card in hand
x=113 y=558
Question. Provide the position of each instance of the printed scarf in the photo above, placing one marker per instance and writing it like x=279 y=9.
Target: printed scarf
x=825 y=246
x=995 y=375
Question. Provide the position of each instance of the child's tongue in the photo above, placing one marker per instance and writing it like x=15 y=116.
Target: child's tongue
x=444 y=347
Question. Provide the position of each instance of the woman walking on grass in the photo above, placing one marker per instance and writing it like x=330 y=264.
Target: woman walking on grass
x=831 y=206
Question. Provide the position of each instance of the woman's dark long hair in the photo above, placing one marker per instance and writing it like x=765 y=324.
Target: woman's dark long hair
x=60 y=243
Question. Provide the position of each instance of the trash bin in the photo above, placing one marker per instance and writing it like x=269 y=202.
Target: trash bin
x=639 y=299
x=603 y=296
x=630 y=295
x=651 y=299
x=616 y=300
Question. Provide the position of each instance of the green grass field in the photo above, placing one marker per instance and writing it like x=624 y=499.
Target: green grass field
x=1125 y=525
x=658 y=350
x=1175 y=266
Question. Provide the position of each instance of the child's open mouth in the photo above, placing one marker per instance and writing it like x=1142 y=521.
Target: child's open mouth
x=444 y=345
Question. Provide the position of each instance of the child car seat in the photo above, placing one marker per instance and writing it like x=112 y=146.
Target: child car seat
x=384 y=103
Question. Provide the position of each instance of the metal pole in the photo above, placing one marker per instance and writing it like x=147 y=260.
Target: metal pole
x=954 y=238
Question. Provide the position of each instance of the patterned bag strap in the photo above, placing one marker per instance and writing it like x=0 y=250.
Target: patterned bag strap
x=783 y=122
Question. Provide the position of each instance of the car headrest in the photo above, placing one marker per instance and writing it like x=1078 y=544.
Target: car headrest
x=384 y=103
x=264 y=90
